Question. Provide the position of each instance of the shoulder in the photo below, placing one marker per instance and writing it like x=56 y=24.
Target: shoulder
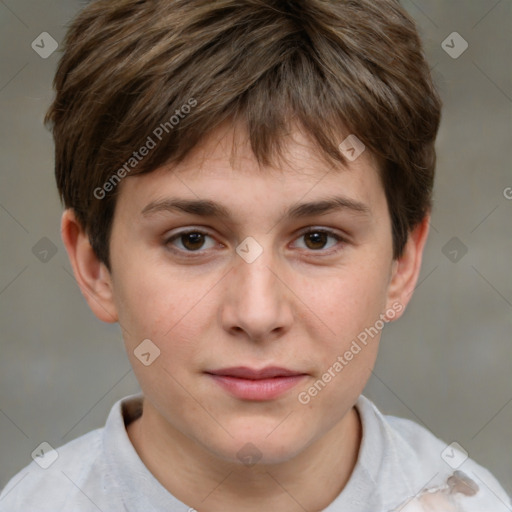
x=84 y=474
x=422 y=462
x=47 y=482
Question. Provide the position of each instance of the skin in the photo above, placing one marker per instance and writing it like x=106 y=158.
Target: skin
x=295 y=306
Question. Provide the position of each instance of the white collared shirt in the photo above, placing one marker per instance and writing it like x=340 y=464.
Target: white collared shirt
x=400 y=466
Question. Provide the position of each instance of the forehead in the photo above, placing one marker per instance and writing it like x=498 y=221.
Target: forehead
x=224 y=166
x=229 y=146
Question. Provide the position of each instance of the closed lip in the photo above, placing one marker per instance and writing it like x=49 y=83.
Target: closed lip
x=245 y=372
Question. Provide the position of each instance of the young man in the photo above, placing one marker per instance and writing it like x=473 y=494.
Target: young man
x=248 y=189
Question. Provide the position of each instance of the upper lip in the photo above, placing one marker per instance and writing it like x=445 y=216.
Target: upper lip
x=244 y=372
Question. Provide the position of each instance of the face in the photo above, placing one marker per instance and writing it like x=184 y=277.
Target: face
x=262 y=285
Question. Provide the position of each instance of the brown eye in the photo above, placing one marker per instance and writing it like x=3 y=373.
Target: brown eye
x=317 y=239
x=190 y=241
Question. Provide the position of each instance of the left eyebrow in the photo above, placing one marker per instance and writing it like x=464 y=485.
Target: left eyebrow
x=328 y=205
x=208 y=208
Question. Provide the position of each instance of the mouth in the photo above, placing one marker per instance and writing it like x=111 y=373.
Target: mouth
x=252 y=384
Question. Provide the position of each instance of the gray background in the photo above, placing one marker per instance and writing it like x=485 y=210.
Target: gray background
x=446 y=364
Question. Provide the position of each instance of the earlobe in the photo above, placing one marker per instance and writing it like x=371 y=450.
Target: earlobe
x=91 y=274
x=406 y=269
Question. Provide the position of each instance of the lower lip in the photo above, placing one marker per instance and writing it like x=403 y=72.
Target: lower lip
x=262 y=389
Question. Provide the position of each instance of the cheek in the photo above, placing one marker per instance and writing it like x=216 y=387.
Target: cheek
x=352 y=300
x=154 y=305
x=349 y=310
x=152 y=309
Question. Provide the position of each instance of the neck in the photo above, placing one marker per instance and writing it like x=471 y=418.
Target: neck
x=309 y=481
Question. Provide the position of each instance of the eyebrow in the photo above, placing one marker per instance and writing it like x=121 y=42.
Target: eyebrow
x=208 y=208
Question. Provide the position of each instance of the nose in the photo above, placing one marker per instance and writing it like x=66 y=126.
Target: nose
x=258 y=304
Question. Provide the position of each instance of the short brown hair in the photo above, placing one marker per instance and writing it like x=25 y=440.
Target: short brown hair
x=335 y=67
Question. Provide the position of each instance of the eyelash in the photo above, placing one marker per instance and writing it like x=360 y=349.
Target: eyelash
x=199 y=252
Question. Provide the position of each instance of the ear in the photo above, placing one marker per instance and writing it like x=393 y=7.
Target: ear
x=91 y=274
x=406 y=269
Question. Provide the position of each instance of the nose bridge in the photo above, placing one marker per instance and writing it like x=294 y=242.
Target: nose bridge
x=256 y=278
x=258 y=300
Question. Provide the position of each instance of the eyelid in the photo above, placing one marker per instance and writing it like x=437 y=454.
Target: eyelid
x=322 y=229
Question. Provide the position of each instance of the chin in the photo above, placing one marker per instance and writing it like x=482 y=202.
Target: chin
x=259 y=444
